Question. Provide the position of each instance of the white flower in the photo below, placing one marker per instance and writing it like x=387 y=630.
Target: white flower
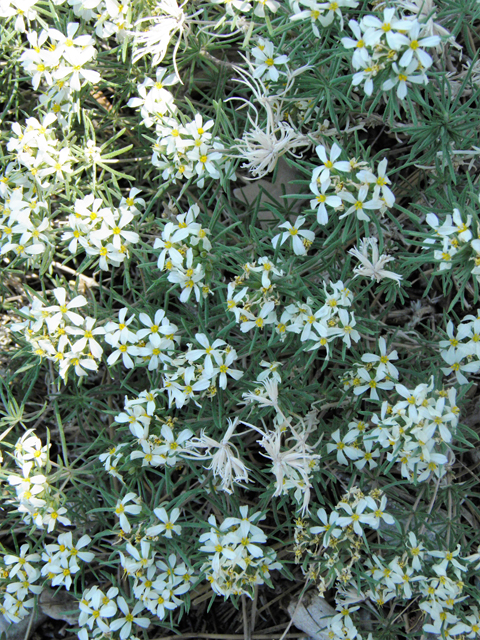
x=321 y=200
x=456 y=365
x=347 y=327
x=87 y=338
x=374 y=518
x=123 y=508
x=113 y=229
x=354 y=517
x=125 y=624
x=380 y=182
x=296 y=233
x=358 y=203
x=343 y=448
x=327 y=526
x=367 y=382
x=261 y=5
x=402 y=76
x=265 y=61
x=388 y=29
x=329 y=163
x=167 y=523
x=55 y=515
x=224 y=368
x=384 y=365
x=209 y=351
x=372 y=263
x=64 y=309
x=267 y=269
x=415 y=52
x=22 y=562
x=360 y=53
x=368 y=455
x=266 y=316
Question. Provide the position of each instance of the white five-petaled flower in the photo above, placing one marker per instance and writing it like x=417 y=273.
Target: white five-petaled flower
x=354 y=517
x=327 y=526
x=22 y=562
x=321 y=199
x=415 y=51
x=360 y=53
x=389 y=28
x=380 y=182
x=224 y=368
x=367 y=382
x=64 y=308
x=122 y=508
x=296 y=233
x=125 y=623
x=384 y=365
x=343 y=448
x=167 y=524
x=329 y=163
x=402 y=76
x=359 y=203
x=266 y=61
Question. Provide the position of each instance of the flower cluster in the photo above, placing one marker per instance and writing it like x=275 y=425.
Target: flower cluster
x=151 y=344
x=61 y=65
x=37 y=500
x=340 y=536
x=416 y=433
x=200 y=371
x=154 y=441
x=435 y=577
x=184 y=246
x=236 y=561
x=17 y=582
x=25 y=228
x=111 y=18
x=62 y=335
x=156 y=583
x=102 y=613
x=39 y=155
x=391 y=46
x=183 y=149
x=219 y=357
x=335 y=186
x=373 y=373
x=154 y=100
x=61 y=559
x=321 y=14
x=101 y=231
x=461 y=351
x=254 y=306
x=453 y=242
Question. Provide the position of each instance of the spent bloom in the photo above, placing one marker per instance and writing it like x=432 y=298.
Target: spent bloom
x=372 y=264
